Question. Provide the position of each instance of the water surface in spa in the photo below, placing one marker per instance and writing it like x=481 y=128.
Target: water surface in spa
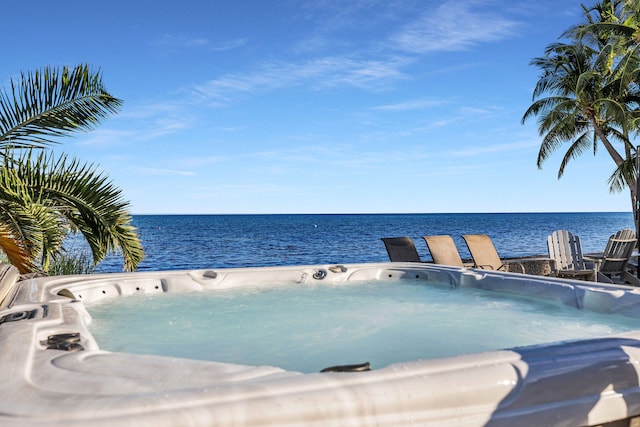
x=307 y=327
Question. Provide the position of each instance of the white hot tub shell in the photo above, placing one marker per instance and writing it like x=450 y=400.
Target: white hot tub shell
x=54 y=373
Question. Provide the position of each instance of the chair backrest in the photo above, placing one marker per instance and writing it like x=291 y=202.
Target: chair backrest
x=483 y=251
x=443 y=250
x=401 y=249
x=565 y=250
x=617 y=252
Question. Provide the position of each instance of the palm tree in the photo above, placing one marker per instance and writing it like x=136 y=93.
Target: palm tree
x=588 y=93
x=616 y=24
x=583 y=106
x=610 y=20
x=43 y=198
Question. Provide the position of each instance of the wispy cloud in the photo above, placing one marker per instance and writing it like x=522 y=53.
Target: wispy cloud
x=439 y=170
x=496 y=148
x=105 y=138
x=141 y=130
x=448 y=115
x=416 y=104
x=173 y=41
x=163 y=126
x=454 y=25
x=333 y=17
x=180 y=41
x=338 y=25
x=194 y=163
x=478 y=111
x=317 y=73
x=156 y=119
x=228 y=45
x=160 y=171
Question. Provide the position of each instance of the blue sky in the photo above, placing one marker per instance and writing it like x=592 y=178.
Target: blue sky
x=315 y=106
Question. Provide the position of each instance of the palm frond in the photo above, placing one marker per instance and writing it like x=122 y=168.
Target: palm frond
x=49 y=103
x=624 y=174
x=29 y=218
x=87 y=201
x=578 y=147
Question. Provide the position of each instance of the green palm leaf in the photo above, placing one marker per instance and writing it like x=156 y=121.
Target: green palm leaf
x=44 y=198
x=85 y=200
x=48 y=104
x=33 y=225
x=625 y=172
x=578 y=101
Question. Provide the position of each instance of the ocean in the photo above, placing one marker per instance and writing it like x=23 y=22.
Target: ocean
x=216 y=241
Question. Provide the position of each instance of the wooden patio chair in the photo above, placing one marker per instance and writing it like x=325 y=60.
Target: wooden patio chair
x=486 y=256
x=566 y=252
x=443 y=250
x=616 y=256
x=401 y=249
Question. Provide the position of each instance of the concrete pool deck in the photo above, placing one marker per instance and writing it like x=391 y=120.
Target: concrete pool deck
x=54 y=372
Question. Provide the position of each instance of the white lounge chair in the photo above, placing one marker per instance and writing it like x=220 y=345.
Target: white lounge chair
x=566 y=252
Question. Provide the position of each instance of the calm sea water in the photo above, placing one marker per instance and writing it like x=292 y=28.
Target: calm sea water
x=214 y=241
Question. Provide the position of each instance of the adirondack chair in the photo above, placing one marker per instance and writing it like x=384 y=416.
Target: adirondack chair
x=401 y=249
x=616 y=256
x=566 y=252
x=486 y=256
x=443 y=250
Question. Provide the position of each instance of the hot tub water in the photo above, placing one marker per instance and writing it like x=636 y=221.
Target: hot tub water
x=307 y=327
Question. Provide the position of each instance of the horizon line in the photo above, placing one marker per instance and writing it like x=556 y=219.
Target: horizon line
x=383 y=213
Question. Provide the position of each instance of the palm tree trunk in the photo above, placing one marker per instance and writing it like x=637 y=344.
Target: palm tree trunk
x=632 y=183
x=617 y=158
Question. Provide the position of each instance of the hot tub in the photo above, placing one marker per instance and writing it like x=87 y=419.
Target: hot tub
x=55 y=373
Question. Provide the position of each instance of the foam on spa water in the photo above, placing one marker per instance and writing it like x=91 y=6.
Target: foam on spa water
x=307 y=327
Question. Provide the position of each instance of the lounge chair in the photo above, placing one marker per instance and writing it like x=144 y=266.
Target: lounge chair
x=443 y=250
x=485 y=256
x=616 y=256
x=566 y=252
x=401 y=249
